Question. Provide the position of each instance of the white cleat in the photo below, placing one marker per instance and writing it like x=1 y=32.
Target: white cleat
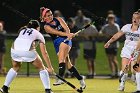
x=82 y=83
x=58 y=82
x=121 y=88
x=1 y=90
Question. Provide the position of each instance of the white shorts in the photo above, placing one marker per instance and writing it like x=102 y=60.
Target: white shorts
x=127 y=51
x=23 y=56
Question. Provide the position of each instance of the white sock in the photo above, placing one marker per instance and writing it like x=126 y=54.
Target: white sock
x=121 y=72
x=123 y=79
x=10 y=76
x=133 y=77
x=44 y=76
x=138 y=80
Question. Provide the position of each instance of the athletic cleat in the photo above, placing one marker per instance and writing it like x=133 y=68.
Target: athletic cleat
x=58 y=82
x=4 y=89
x=121 y=88
x=82 y=83
x=48 y=91
x=136 y=92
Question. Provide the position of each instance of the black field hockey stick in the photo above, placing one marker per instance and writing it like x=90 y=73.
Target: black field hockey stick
x=68 y=83
x=79 y=31
x=4 y=4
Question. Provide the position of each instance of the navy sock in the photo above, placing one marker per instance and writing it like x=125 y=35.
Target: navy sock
x=62 y=67
x=75 y=73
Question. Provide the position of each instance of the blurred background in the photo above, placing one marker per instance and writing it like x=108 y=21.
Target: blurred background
x=123 y=9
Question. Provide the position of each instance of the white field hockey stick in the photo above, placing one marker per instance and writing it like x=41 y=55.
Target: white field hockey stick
x=68 y=83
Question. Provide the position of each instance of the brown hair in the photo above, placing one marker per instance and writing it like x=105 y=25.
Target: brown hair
x=43 y=11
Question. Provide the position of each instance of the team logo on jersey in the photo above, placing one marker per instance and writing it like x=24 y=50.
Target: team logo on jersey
x=131 y=38
x=132 y=34
x=59 y=27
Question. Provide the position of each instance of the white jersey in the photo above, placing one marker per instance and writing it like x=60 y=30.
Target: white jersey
x=132 y=37
x=26 y=38
x=21 y=51
x=131 y=41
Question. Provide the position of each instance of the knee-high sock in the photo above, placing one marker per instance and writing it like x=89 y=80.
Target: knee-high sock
x=138 y=80
x=62 y=68
x=123 y=79
x=44 y=76
x=75 y=73
x=10 y=76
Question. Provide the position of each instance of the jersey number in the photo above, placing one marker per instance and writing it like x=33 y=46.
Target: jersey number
x=28 y=31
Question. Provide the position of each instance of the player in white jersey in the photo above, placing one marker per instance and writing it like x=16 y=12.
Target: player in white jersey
x=136 y=66
x=132 y=34
x=23 y=50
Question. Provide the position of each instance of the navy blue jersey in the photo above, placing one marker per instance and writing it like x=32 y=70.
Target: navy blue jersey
x=58 y=27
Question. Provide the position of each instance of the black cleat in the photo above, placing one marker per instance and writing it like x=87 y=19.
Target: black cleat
x=4 y=89
x=136 y=92
x=48 y=91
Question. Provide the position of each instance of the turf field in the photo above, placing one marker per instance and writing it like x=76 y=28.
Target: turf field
x=97 y=85
x=101 y=63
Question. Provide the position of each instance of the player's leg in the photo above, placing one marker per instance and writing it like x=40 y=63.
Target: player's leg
x=90 y=55
x=1 y=60
x=44 y=76
x=115 y=65
x=124 y=77
x=90 y=65
x=137 y=69
x=12 y=73
x=133 y=75
x=62 y=64
x=138 y=80
x=110 y=63
x=75 y=73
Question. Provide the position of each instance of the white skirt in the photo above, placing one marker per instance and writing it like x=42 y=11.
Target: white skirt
x=127 y=51
x=23 y=56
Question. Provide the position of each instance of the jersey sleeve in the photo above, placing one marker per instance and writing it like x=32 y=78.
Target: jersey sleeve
x=40 y=37
x=124 y=29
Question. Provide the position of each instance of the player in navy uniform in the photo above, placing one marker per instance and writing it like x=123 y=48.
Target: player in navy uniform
x=23 y=50
x=59 y=31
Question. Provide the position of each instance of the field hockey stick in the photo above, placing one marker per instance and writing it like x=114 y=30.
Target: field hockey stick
x=68 y=83
x=126 y=67
x=75 y=34
x=4 y=4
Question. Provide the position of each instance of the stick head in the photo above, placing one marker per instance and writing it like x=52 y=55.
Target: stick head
x=80 y=90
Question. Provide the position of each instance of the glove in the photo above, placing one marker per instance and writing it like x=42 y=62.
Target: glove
x=135 y=66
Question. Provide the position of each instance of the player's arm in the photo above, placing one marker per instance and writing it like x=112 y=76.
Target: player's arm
x=46 y=57
x=64 y=25
x=51 y=30
x=44 y=51
x=114 y=38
